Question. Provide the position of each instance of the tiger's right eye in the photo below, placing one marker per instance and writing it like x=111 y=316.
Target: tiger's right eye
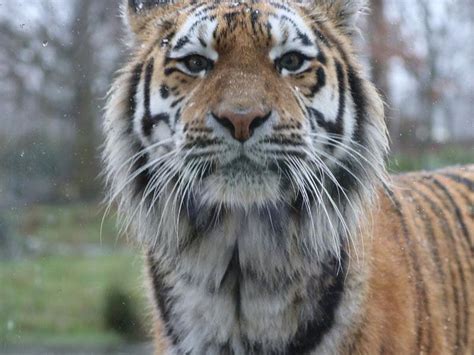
x=197 y=63
x=292 y=61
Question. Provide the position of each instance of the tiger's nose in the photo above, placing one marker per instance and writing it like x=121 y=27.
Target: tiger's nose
x=241 y=124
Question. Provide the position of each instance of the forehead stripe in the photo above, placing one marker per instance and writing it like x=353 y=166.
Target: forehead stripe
x=148 y=77
x=181 y=43
x=341 y=79
x=146 y=120
x=132 y=102
x=300 y=34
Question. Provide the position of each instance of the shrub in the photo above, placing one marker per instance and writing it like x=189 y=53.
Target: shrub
x=121 y=314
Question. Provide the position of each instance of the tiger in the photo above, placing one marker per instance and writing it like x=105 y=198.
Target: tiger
x=245 y=151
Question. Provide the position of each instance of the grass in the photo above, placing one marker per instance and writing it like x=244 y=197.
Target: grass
x=432 y=159
x=74 y=225
x=53 y=298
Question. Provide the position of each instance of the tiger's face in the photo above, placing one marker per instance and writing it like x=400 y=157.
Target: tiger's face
x=244 y=103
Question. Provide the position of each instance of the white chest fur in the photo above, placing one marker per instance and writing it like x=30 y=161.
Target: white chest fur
x=246 y=286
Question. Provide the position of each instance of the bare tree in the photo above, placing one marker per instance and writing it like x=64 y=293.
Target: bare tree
x=55 y=69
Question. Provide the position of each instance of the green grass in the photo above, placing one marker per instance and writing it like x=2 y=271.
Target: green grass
x=53 y=298
x=75 y=225
x=62 y=298
x=433 y=159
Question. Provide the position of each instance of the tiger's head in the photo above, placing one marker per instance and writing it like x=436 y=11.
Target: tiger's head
x=244 y=103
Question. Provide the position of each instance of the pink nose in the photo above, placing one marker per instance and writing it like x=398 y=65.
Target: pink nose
x=243 y=123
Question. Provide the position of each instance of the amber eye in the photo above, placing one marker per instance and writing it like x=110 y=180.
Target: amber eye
x=292 y=61
x=197 y=63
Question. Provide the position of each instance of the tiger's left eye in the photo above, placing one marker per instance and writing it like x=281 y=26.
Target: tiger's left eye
x=292 y=61
x=197 y=63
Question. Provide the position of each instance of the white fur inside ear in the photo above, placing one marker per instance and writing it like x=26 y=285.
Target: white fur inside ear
x=344 y=12
x=136 y=13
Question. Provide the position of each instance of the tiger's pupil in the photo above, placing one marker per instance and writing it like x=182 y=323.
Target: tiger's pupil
x=291 y=61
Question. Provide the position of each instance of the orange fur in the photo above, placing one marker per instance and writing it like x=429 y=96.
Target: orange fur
x=421 y=287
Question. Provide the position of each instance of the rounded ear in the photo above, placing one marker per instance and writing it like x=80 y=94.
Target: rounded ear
x=344 y=13
x=139 y=14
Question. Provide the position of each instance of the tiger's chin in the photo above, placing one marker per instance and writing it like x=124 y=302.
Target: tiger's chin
x=242 y=184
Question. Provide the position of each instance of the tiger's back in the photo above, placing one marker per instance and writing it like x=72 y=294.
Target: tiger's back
x=420 y=289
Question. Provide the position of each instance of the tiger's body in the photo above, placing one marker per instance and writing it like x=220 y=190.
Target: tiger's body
x=408 y=290
x=246 y=151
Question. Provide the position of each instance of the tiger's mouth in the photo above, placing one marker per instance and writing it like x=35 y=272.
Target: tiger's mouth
x=241 y=182
x=241 y=164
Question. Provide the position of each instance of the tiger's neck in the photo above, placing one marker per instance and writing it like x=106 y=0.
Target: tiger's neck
x=243 y=282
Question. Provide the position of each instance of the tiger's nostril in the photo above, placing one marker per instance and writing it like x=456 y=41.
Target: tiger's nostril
x=242 y=125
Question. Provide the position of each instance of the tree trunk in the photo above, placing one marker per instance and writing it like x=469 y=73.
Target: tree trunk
x=83 y=106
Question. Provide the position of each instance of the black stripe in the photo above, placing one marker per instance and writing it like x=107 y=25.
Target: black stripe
x=461 y=180
x=360 y=103
x=321 y=37
x=147 y=121
x=336 y=127
x=132 y=93
x=309 y=336
x=177 y=101
x=321 y=57
x=341 y=79
x=304 y=39
x=148 y=77
x=143 y=178
x=434 y=247
x=181 y=43
x=356 y=84
x=434 y=250
x=171 y=70
x=442 y=221
x=320 y=82
x=151 y=121
x=457 y=211
x=163 y=299
x=414 y=266
x=457 y=257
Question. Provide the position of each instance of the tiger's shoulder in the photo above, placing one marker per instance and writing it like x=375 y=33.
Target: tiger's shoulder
x=422 y=263
x=445 y=194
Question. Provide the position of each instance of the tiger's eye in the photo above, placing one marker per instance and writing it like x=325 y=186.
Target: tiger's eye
x=197 y=63
x=292 y=61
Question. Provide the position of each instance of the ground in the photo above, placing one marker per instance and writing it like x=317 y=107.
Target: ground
x=54 y=291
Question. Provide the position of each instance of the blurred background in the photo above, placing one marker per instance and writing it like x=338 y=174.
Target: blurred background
x=68 y=283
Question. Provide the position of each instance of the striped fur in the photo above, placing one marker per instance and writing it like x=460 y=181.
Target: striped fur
x=293 y=240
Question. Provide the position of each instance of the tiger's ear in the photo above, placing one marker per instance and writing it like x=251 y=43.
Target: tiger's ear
x=139 y=14
x=343 y=13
